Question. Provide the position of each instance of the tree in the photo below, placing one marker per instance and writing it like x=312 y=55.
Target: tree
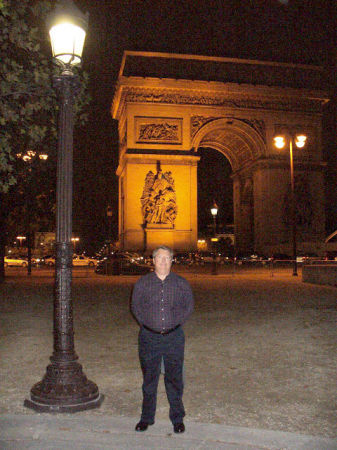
x=28 y=103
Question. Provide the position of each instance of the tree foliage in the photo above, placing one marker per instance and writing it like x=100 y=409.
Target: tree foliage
x=28 y=103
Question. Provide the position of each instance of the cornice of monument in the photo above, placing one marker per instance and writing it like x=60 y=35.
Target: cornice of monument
x=209 y=93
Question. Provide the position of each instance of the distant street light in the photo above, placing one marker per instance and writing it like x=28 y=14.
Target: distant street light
x=74 y=241
x=214 y=212
x=20 y=239
x=280 y=142
x=28 y=157
x=65 y=388
x=109 y=216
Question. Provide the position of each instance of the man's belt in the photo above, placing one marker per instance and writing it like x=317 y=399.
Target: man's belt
x=161 y=332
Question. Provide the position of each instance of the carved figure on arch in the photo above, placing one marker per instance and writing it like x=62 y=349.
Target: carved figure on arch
x=159 y=199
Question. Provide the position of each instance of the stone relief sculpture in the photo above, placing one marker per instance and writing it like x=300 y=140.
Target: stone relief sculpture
x=147 y=96
x=198 y=121
x=159 y=199
x=158 y=132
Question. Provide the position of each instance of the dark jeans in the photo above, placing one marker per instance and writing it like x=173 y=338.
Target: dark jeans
x=152 y=349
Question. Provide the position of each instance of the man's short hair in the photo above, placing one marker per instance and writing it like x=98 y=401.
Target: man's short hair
x=162 y=247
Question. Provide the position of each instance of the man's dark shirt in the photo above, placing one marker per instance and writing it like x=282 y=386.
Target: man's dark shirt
x=162 y=305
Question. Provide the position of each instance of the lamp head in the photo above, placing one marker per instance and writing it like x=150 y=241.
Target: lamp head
x=214 y=209
x=67 y=27
x=279 y=141
x=300 y=140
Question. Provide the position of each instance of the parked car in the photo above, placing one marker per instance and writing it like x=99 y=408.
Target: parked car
x=48 y=260
x=120 y=264
x=80 y=260
x=203 y=257
x=281 y=256
x=17 y=261
x=37 y=261
x=250 y=257
x=134 y=256
x=183 y=258
x=306 y=257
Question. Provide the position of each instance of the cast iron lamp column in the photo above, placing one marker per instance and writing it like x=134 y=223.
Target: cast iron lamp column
x=109 y=216
x=214 y=212
x=65 y=388
x=280 y=142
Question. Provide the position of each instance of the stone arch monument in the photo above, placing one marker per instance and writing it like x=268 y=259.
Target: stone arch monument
x=169 y=106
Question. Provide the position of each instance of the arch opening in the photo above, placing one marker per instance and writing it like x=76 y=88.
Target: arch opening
x=229 y=147
x=214 y=184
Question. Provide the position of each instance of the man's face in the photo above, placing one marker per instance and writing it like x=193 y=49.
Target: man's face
x=162 y=262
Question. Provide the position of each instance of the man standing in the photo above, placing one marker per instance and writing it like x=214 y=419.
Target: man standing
x=161 y=302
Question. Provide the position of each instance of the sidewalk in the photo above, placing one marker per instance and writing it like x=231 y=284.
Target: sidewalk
x=44 y=431
x=260 y=366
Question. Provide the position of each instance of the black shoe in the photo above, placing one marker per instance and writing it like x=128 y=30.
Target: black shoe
x=179 y=427
x=141 y=426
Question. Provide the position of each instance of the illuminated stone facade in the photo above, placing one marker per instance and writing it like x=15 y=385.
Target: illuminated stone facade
x=167 y=111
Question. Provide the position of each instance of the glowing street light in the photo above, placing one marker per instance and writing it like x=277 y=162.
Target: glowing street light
x=28 y=157
x=65 y=388
x=214 y=212
x=20 y=239
x=109 y=216
x=74 y=240
x=280 y=141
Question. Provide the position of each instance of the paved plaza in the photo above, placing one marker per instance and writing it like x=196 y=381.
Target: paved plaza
x=260 y=365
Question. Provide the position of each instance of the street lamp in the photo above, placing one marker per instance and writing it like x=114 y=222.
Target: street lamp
x=29 y=157
x=109 y=216
x=280 y=142
x=64 y=387
x=214 y=212
x=20 y=238
x=74 y=241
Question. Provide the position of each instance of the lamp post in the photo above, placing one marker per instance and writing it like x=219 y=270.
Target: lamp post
x=20 y=239
x=64 y=387
x=214 y=212
x=28 y=158
x=280 y=141
x=109 y=216
x=74 y=241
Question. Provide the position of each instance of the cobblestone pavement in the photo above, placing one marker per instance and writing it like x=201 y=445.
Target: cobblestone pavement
x=260 y=350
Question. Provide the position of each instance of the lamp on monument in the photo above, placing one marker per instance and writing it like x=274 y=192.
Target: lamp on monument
x=280 y=141
x=214 y=212
x=109 y=216
x=64 y=387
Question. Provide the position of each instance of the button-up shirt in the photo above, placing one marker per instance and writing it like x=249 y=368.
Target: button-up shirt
x=162 y=304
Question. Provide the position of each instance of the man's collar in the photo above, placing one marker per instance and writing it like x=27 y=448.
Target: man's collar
x=167 y=276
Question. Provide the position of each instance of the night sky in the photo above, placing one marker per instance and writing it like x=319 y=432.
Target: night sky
x=299 y=31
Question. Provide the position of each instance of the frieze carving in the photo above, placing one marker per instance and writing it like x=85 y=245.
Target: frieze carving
x=258 y=125
x=160 y=130
x=159 y=199
x=135 y=95
x=198 y=121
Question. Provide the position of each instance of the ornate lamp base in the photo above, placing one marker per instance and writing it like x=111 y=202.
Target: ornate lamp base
x=64 y=389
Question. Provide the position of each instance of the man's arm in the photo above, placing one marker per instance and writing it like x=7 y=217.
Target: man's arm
x=136 y=303
x=188 y=303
